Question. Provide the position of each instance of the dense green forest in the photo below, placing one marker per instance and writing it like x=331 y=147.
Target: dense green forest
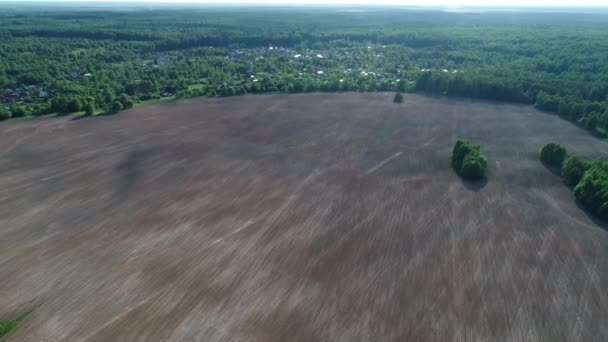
x=60 y=60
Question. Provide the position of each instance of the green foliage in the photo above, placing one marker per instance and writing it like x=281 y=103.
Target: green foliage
x=74 y=106
x=89 y=109
x=546 y=102
x=7 y=326
x=467 y=160
x=59 y=104
x=573 y=170
x=73 y=56
x=17 y=111
x=398 y=98
x=462 y=148
x=592 y=190
x=474 y=167
x=553 y=154
x=116 y=107
x=4 y=114
x=126 y=101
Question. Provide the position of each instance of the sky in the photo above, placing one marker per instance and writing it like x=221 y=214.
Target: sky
x=446 y=3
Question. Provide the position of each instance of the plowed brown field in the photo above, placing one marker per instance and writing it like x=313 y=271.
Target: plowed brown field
x=316 y=217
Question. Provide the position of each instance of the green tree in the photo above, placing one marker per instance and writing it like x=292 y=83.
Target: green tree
x=116 y=107
x=74 y=105
x=573 y=170
x=59 y=104
x=100 y=103
x=398 y=98
x=462 y=148
x=17 y=111
x=126 y=101
x=401 y=86
x=553 y=154
x=474 y=167
x=108 y=95
x=4 y=114
x=89 y=109
x=592 y=190
x=467 y=160
x=546 y=102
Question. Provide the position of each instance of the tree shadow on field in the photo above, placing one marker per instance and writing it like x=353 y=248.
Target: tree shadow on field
x=556 y=170
x=130 y=169
x=598 y=221
x=475 y=185
x=81 y=117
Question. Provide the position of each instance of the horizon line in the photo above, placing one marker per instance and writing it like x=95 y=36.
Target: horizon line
x=295 y=4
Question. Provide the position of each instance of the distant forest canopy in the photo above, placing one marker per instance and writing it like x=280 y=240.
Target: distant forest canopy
x=63 y=61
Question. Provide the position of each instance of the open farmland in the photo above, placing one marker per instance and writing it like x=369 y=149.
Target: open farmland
x=316 y=217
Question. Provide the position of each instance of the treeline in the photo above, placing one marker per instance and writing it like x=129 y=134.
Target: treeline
x=591 y=191
x=557 y=62
x=587 y=179
x=590 y=112
x=587 y=109
x=46 y=33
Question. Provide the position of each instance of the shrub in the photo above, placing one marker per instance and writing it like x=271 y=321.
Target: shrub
x=573 y=170
x=89 y=109
x=7 y=325
x=74 y=106
x=17 y=111
x=461 y=150
x=128 y=104
x=592 y=191
x=59 y=104
x=116 y=107
x=474 y=167
x=4 y=114
x=467 y=160
x=553 y=154
x=398 y=98
x=126 y=101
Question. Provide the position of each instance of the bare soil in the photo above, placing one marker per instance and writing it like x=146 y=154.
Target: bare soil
x=316 y=217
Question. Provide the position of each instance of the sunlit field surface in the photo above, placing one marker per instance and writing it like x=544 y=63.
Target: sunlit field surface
x=315 y=217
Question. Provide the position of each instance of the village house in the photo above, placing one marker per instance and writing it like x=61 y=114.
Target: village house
x=9 y=95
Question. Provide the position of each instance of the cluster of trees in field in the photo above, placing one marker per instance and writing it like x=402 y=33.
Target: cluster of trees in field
x=587 y=179
x=592 y=190
x=574 y=169
x=553 y=154
x=467 y=160
x=96 y=61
